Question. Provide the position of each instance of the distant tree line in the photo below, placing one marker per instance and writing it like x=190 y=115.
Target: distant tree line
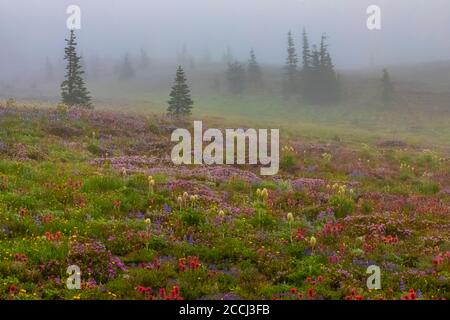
x=316 y=79
x=312 y=76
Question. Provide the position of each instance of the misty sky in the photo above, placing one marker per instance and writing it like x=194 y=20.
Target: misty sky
x=413 y=30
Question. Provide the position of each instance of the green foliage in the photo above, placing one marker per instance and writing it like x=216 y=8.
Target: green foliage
x=102 y=184
x=342 y=205
x=254 y=73
x=288 y=162
x=236 y=78
x=191 y=217
x=180 y=103
x=73 y=90
x=428 y=187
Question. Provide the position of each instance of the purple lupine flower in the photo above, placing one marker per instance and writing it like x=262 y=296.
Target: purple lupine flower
x=402 y=285
x=167 y=208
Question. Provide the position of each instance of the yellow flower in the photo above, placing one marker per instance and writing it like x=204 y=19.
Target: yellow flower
x=264 y=193
x=148 y=221
x=221 y=213
x=290 y=217
x=313 y=241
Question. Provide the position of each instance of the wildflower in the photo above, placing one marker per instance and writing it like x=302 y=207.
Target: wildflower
x=143 y=289
x=221 y=213
x=410 y=296
x=13 y=289
x=193 y=262
x=117 y=203
x=20 y=257
x=333 y=259
x=167 y=208
x=313 y=241
x=290 y=217
x=151 y=183
x=182 y=264
x=264 y=193
x=162 y=293
x=300 y=234
x=23 y=212
x=438 y=260
x=310 y=292
x=147 y=221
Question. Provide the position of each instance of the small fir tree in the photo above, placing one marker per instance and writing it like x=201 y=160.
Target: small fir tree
x=126 y=71
x=73 y=89
x=180 y=103
x=254 y=70
x=236 y=78
x=290 y=84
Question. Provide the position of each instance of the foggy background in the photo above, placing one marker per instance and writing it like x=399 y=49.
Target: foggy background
x=413 y=30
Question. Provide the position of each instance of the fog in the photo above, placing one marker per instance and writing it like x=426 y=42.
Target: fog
x=412 y=30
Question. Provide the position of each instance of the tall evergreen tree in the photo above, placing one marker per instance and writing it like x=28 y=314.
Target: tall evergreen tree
x=228 y=56
x=126 y=69
x=314 y=80
x=73 y=89
x=290 y=84
x=180 y=103
x=254 y=70
x=305 y=79
x=306 y=53
x=144 y=62
x=388 y=87
x=236 y=78
x=320 y=83
x=330 y=86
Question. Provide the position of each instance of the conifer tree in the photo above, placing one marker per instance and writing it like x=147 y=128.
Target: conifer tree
x=236 y=78
x=290 y=84
x=388 y=87
x=144 y=62
x=328 y=75
x=180 y=102
x=73 y=89
x=254 y=70
x=306 y=53
x=320 y=84
x=314 y=80
x=228 y=56
x=306 y=66
x=126 y=70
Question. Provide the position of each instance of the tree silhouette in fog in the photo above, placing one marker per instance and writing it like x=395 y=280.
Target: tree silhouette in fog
x=180 y=103
x=73 y=88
